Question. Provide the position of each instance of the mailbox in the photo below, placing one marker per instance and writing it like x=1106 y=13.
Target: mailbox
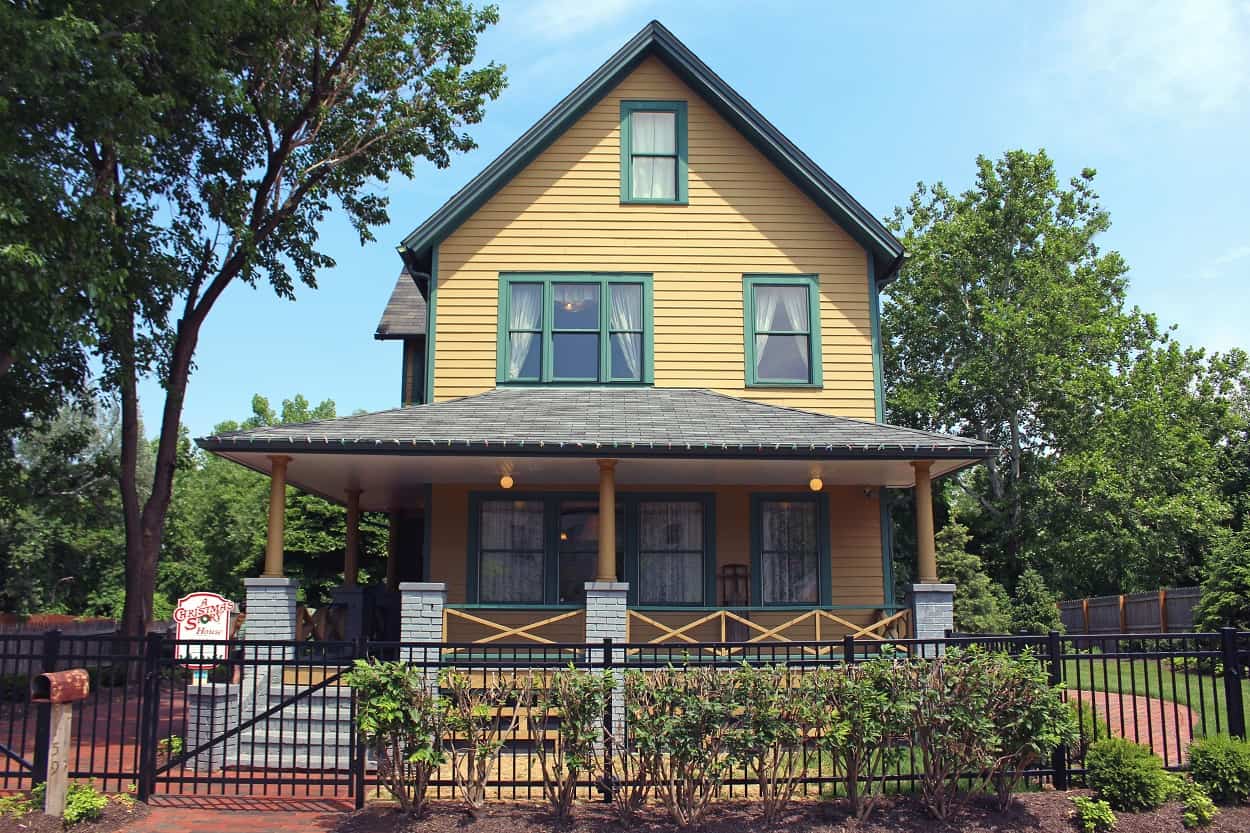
x=60 y=686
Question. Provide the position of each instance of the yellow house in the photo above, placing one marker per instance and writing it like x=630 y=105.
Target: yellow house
x=641 y=390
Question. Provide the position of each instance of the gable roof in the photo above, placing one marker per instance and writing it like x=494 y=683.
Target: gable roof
x=404 y=316
x=654 y=39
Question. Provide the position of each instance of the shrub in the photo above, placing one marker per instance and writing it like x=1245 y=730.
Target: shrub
x=1129 y=777
x=1033 y=608
x=681 y=724
x=572 y=703
x=1089 y=729
x=1197 y=808
x=83 y=803
x=168 y=749
x=865 y=717
x=1093 y=815
x=402 y=721
x=16 y=805
x=1225 y=597
x=474 y=716
x=981 y=604
x=1222 y=765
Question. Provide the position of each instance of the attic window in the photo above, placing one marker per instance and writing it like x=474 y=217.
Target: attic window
x=653 y=152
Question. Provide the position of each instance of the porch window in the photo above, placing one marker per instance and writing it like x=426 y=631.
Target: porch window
x=511 y=552
x=670 y=552
x=782 y=330
x=577 y=547
x=790 y=549
x=574 y=328
x=653 y=152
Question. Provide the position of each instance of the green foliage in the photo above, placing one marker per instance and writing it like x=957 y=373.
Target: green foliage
x=1093 y=815
x=865 y=715
x=981 y=604
x=571 y=704
x=1090 y=728
x=403 y=722
x=1033 y=608
x=16 y=805
x=1222 y=765
x=473 y=715
x=83 y=803
x=1127 y=776
x=683 y=724
x=1225 y=598
x=169 y=749
x=1197 y=808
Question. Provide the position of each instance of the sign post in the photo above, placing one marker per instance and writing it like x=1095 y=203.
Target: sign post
x=205 y=619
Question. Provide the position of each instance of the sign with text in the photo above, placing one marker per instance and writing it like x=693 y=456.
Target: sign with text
x=206 y=618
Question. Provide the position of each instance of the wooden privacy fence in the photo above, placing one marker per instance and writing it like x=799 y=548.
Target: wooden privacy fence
x=1170 y=610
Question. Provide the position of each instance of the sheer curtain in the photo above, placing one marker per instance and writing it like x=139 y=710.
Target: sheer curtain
x=511 y=535
x=627 y=315
x=794 y=301
x=765 y=310
x=525 y=313
x=670 y=557
x=653 y=176
x=788 y=558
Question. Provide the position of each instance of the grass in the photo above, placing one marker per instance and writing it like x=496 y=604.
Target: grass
x=1201 y=691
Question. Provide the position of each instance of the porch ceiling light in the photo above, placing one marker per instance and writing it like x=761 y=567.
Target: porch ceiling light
x=506 y=482
x=815 y=484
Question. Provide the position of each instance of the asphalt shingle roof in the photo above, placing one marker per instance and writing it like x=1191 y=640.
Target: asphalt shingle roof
x=639 y=422
x=404 y=315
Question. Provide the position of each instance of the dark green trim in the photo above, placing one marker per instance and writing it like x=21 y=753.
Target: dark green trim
x=628 y=108
x=815 y=367
x=874 y=310
x=551 y=544
x=405 y=366
x=605 y=281
x=887 y=548
x=430 y=316
x=824 y=551
x=655 y=40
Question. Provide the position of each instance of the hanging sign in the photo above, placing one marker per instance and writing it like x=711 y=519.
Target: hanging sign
x=206 y=619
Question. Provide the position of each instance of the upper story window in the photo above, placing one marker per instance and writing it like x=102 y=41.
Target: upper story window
x=653 y=152
x=575 y=328
x=782 y=330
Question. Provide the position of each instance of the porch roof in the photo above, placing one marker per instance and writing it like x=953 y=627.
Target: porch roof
x=625 y=422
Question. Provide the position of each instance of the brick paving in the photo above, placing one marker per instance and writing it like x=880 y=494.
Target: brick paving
x=220 y=814
x=1164 y=726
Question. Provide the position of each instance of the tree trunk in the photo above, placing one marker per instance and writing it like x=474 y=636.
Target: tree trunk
x=6 y=361
x=138 y=608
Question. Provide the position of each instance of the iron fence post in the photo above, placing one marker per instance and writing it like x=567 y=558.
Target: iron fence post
x=360 y=650
x=149 y=715
x=43 y=713
x=608 y=785
x=848 y=648
x=1232 y=683
x=1058 y=758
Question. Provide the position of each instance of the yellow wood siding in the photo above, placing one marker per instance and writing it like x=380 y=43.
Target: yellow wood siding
x=563 y=213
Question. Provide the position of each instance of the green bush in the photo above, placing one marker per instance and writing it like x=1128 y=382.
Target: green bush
x=1090 y=729
x=1033 y=608
x=402 y=721
x=1222 y=765
x=83 y=803
x=1197 y=808
x=1129 y=777
x=477 y=726
x=571 y=704
x=1093 y=815
x=16 y=805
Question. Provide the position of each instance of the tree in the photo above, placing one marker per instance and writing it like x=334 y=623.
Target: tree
x=222 y=136
x=981 y=604
x=1225 y=600
x=1033 y=608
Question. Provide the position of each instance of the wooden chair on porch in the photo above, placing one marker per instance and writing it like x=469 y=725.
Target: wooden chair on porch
x=735 y=591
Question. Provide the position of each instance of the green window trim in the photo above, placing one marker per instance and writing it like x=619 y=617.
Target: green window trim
x=815 y=368
x=678 y=108
x=824 y=551
x=628 y=535
x=547 y=281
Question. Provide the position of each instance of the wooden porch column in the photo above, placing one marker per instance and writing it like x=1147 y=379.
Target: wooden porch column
x=277 y=517
x=392 y=552
x=607 y=521
x=926 y=555
x=351 y=554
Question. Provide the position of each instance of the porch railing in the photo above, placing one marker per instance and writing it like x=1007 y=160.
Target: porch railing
x=486 y=624
x=753 y=625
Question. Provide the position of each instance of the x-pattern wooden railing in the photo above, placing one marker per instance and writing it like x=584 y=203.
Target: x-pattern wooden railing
x=762 y=633
x=523 y=631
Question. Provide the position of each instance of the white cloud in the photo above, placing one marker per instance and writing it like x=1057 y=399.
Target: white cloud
x=1232 y=255
x=1217 y=267
x=554 y=20
x=1163 y=57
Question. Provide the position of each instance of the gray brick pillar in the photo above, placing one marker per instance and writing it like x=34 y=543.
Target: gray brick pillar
x=421 y=606
x=352 y=598
x=607 y=618
x=270 y=608
x=212 y=710
x=933 y=612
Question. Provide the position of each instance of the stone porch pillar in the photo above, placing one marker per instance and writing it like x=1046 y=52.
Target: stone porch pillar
x=421 y=605
x=932 y=603
x=607 y=617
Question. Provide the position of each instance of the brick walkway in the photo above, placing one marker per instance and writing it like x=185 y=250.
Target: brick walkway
x=241 y=815
x=1164 y=726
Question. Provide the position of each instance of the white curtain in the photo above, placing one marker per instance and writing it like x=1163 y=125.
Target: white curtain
x=765 y=308
x=670 y=557
x=511 y=543
x=794 y=301
x=653 y=177
x=627 y=315
x=525 y=313
x=788 y=568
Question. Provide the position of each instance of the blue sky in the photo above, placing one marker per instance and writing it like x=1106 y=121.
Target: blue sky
x=1155 y=95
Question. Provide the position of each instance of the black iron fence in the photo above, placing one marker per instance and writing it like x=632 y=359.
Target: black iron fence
x=278 y=718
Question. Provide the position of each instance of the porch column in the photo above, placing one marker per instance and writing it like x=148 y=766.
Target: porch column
x=277 y=517
x=926 y=555
x=392 y=552
x=607 y=521
x=351 y=552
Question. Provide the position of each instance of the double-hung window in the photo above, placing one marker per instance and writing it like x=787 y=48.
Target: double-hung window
x=575 y=328
x=653 y=152
x=790 y=549
x=782 y=330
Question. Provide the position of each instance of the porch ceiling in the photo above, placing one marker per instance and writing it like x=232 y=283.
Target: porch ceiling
x=391 y=482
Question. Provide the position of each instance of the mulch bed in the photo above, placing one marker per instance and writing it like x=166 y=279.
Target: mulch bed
x=117 y=817
x=1046 y=812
